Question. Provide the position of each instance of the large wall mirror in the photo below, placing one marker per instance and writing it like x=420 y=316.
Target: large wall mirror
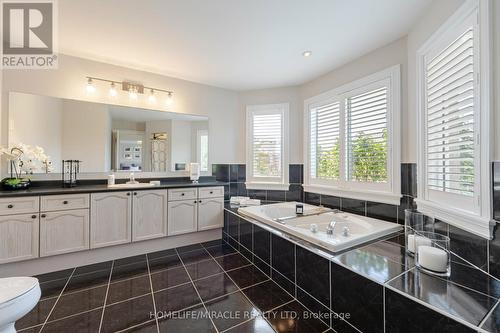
x=108 y=137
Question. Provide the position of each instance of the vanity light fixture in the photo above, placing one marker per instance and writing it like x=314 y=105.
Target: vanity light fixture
x=134 y=89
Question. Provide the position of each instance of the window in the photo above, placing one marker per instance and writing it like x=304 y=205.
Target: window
x=453 y=94
x=267 y=146
x=202 y=149
x=350 y=132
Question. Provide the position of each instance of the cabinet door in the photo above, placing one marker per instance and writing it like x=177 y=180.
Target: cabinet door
x=18 y=237
x=64 y=232
x=182 y=217
x=110 y=219
x=149 y=214
x=210 y=213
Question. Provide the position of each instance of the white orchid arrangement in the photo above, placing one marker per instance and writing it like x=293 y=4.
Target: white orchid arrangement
x=27 y=159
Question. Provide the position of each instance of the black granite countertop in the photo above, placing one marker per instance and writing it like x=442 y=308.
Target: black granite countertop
x=92 y=188
x=469 y=295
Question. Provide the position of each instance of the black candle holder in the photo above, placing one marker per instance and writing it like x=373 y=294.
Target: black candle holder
x=70 y=170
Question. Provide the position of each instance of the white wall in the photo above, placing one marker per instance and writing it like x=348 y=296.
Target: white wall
x=496 y=71
x=37 y=121
x=180 y=143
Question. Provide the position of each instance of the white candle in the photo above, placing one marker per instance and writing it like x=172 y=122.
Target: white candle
x=432 y=258
x=416 y=241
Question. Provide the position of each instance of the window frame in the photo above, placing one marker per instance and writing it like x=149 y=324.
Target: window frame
x=389 y=192
x=268 y=183
x=477 y=217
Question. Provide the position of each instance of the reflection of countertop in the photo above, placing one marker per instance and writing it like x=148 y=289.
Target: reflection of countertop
x=468 y=295
x=92 y=188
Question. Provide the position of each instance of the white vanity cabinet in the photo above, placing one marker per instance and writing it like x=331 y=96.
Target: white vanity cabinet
x=149 y=212
x=203 y=210
x=110 y=219
x=18 y=237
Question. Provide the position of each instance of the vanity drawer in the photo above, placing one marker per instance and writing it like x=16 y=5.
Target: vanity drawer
x=182 y=194
x=64 y=202
x=19 y=205
x=211 y=192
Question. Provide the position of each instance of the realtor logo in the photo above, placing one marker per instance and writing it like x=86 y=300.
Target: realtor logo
x=28 y=31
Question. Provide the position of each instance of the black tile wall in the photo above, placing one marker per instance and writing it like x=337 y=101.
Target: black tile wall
x=468 y=246
x=313 y=274
x=283 y=257
x=246 y=234
x=494 y=252
x=354 y=206
x=262 y=244
x=382 y=211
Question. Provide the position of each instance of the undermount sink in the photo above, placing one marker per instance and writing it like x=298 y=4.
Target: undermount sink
x=133 y=185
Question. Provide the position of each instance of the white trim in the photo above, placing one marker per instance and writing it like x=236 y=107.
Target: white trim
x=384 y=192
x=377 y=196
x=477 y=222
x=268 y=183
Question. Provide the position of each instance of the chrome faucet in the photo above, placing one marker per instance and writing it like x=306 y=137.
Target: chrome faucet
x=330 y=227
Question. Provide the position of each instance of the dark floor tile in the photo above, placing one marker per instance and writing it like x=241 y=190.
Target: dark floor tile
x=220 y=250
x=162 y=253
x=38 y=315
x=177 y=298
x=247 y=276
x=52 y=288
x=130 y=260
x=194 y=319
x=246 y=232
x=81 y=301
x=189 y=248
x=282 y=281
x=163 y=263
x=314 y=305
x=203 y=269
x=34 y=329
x=215 y=286
x=194 y=256
x=349 y=291
x=382 y=211
x=125 y=289
x=247 y=254
x=313 y=274
x=283 y=257
x=468 y=246
x=54 y=275
x=295 y=175
x=293 y=317
x=85 y=281
x=312 y=198
x=401 y=311
x=129 y=271
x=494 y=252
x=215 y=242
x=267 y=295
x=341 y=325
x=169 y=278
x=262 y=244
x=330 y=201
x=256 y=325
x=102 y=266
x=261 y=265
x=123 y=315
x=238 y=304
x=232 y=261
x=295 y=193
x=354 y=206
x=149 y=326
x=83 y=323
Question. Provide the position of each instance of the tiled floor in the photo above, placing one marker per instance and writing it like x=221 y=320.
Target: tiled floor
x=207 y=287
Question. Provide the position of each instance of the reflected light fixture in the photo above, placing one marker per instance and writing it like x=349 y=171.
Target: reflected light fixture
x=112 y=90
x=152 y=97
x=134 y=89
x=307 y=53
x=90 y=86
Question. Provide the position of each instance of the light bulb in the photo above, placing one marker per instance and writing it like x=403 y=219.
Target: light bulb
x=112 y=90
x=307 y=53
x=152 y=97
x=170 y=99
x=90 y=86
x=132 y=93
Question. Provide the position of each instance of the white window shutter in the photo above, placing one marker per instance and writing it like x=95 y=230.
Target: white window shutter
x=267 y=145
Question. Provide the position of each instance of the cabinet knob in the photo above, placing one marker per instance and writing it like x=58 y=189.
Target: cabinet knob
x=33 y=216
x=199 y=201
x=65 y=202
x=135 y=193
x=182 y=194
x=10 y=206
x=128 y=193
x=43 y=215
x=211 y=192
x=195 y=201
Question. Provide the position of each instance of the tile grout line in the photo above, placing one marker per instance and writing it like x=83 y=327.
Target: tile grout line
x=57 y=300
x=106 y=297
x=152 y=294
x=196 y=289
x=241 y=291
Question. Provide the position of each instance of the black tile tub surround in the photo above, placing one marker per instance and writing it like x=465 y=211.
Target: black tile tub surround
x=313 y=274
x=283 y=257
x=494 y=252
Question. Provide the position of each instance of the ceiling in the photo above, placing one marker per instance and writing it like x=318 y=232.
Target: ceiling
x=234 y=44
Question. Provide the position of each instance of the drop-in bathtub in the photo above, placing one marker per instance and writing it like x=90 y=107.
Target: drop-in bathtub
x=350 y=230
